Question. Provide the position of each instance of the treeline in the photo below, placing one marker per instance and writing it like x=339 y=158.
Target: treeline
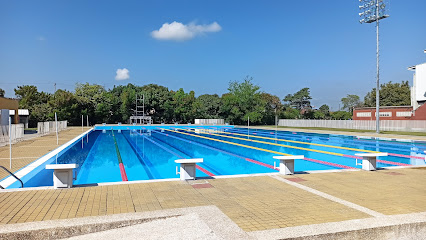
x=242 y=101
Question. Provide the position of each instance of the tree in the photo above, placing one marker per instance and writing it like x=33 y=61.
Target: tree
x=243 y=101
x=299 y=100
x=208 y=106
x=391 y=94
x=350 y=102
x=341 y=115
x=2 y=92
x=272 y=106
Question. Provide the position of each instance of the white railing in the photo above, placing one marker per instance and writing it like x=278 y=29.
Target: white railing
x=49 y=127
x=210 y=121
x=385 y=125
x=17 y=132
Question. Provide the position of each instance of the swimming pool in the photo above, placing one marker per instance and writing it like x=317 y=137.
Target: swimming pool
x=122 y=153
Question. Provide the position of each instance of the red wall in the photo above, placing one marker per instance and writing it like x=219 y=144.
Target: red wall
x=420 y=113
x=373 y=113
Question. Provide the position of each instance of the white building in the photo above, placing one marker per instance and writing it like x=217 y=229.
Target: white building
x=418 y=90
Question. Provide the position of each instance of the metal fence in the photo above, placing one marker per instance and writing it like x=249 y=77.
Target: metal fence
x=17 y=132
x=210 y=121
x=49 y=127
x=385 y=125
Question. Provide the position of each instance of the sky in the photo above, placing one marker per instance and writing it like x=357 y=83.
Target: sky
x=202 y=45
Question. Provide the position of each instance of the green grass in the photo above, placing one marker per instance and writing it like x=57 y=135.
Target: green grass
x=356 y=130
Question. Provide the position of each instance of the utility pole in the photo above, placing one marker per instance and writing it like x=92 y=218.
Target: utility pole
x=374 y=11
x=55 y=87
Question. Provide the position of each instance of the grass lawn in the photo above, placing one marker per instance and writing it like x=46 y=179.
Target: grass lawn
x=355 y=130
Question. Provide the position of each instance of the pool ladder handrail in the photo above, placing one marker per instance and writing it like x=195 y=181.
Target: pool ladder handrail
x=13 y=175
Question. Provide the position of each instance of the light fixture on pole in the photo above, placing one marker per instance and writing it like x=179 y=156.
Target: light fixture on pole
x=374 y=11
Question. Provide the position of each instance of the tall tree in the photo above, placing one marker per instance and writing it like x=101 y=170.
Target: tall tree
x=299 y=100
x=272 y=106
x=2 y=92
x=350 y=102
x=391 y=94
x=243 y=101
x=208 y=106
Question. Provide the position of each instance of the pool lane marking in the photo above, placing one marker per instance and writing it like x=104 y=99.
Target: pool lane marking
x=330 y=197
x=210 y=169
x=120 y=161
x=146 y=164
x=299 y=142
x=364 y=140
x=275 y=144
x=219 y=150
x=266 y=150
x=331 y=146
x=306 y=149
x=179 y=156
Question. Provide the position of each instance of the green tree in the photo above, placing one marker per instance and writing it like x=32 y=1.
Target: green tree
x=272 y=105
x=2 y=92
x=208 y=106
x=299 y=100
x=89 y=96
x=341 y=115
x=350 y=102
x=243 y=101
x=36 y=102
x=391 y=94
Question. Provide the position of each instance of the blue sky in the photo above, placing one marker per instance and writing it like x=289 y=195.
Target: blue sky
x=283 y=45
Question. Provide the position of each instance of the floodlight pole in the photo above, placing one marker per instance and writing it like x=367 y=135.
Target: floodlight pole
x=377 y=70
x=368 y=17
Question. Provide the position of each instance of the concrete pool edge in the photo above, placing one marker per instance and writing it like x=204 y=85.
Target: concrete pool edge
x=6 y=182
x=220 y=224
x=411 y=226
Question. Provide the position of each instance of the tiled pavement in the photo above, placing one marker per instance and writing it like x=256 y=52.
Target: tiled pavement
x=386 y=191
x=25 y=152
x=254 y=203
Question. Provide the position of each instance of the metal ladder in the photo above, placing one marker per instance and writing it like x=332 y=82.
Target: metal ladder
x=13 y=175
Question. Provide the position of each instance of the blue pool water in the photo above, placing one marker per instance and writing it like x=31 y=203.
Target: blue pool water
x=151 y=154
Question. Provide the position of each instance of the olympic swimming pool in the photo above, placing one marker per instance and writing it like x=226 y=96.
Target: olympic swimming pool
x=124 y=153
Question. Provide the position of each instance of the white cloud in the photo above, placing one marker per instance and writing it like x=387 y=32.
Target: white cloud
x=122 y=74
x=41 y=38
x=177 y=31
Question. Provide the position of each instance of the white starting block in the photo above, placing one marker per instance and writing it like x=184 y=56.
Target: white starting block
x=287 y=163
x=187 y=168
x=62 y=174
x=369 y=160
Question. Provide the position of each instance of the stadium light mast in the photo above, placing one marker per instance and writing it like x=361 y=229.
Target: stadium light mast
x=374 y=11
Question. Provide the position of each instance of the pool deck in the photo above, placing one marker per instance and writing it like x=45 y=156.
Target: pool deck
x=266 y=206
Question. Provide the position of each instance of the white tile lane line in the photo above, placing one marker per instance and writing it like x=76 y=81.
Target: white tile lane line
x=332 y=198
x=21 y=173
